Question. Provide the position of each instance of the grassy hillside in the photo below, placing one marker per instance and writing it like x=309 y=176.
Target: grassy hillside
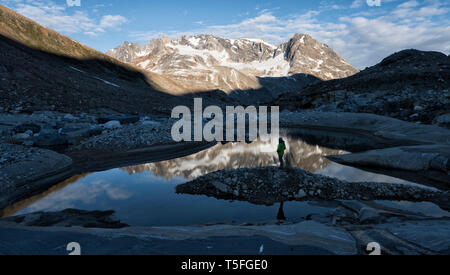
x=33 y=35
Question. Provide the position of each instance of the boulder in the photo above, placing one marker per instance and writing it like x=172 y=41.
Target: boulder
x=83 y=133
x=114 y=124
x=443 y=120
x=123 y=119
x=27 y=127
x=150 y=123
x=69 y=117
x=21 y=136
x=418 y=108
x=49 y=138
x=301 y=194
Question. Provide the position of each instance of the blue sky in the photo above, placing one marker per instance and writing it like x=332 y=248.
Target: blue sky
x=362 y=31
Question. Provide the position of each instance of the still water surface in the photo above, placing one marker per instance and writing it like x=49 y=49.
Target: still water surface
x=144 y=195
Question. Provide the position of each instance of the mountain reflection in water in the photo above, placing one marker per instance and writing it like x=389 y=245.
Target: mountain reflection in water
x=240 y=155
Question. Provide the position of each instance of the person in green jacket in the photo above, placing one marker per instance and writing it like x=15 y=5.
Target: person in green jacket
x=281 y=149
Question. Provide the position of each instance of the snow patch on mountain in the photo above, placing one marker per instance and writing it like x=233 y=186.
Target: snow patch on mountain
x=207 y=62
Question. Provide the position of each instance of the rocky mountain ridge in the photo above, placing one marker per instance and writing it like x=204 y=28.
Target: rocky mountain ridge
x=207 y=62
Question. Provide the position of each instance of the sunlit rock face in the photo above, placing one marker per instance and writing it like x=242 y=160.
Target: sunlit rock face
x=207 y=62
x=240 y=155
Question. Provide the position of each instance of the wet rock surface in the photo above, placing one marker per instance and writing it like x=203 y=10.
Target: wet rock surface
x=20 y=165
x=414 y=158
x=298 y=239
x=344 y=231
x=385 y=131
x=398 y=231
x=436 y=237
x=269 y=185
x=69 y=218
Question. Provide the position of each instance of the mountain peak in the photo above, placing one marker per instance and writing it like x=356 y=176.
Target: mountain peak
x=209 y=62
x=301 y=36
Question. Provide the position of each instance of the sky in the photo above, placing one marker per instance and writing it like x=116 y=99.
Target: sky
x=362 y=31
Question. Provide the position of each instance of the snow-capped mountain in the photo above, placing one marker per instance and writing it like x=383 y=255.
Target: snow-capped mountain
x=207 y=62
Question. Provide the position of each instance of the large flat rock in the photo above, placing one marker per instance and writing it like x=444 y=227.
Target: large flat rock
x=412 y=158
x=24 y=170
x=431 y=159
x=432 y=234
x=392 y=130
x=305 y=238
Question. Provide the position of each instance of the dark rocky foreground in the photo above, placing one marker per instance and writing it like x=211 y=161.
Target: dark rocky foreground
x=346 y=229
x=269 y=185
x=398 y=234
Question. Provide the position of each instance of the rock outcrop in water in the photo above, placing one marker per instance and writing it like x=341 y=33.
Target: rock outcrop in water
x=269 y=185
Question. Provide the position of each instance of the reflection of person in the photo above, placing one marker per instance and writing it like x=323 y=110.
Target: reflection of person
x=281 y=216
x=281 y=149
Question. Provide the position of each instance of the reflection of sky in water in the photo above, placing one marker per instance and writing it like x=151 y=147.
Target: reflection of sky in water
x=356 y=175
x=141 y=198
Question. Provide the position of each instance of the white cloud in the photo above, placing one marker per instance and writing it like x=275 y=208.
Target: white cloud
x=63 y=19
x=409 y=4
x=356 y=4
x=112 y=21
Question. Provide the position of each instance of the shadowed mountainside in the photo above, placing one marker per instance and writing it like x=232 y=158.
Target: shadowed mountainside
x=41 y=69
x=410 y=85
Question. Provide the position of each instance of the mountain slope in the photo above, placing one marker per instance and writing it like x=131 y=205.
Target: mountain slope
x=410 y=85
x=33 y=35
x=41 y=69
x=206 y=62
